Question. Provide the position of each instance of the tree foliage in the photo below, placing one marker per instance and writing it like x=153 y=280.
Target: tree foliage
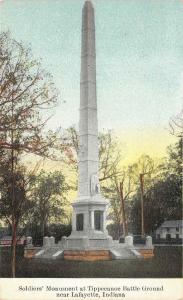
x=25 y=88
x=162 y=199
x=109 y=153
x=21 y=202
x=49 y=196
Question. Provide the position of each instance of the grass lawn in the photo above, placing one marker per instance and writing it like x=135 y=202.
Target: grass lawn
x=167 y=263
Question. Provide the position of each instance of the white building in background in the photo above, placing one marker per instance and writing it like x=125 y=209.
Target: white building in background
x=170 y=230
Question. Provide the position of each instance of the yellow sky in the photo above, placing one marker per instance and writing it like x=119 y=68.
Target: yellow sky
x=146 y=141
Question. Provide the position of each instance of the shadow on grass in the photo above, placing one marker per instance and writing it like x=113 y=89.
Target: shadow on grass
x=167 y=263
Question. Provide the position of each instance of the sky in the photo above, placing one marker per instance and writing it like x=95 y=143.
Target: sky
x=139 y=47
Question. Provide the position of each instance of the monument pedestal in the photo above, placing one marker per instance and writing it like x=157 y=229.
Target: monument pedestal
x=89 y=224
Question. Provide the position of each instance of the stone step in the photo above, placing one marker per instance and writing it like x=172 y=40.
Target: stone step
x=59 y=253
x=123 y=253
x=40 y=253
x=50 y=253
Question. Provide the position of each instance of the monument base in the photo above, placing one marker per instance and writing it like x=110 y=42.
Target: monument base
x=85 y=243
x=87 y=255
x=86 y=249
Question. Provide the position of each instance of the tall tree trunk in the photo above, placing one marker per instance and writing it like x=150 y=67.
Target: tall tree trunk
x=43 y=219
x=125 y=227
x=14 y=227
x=13 y=252
x=42 y=229
x=142 y=203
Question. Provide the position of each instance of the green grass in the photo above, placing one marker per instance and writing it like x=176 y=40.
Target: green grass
x=167 y=263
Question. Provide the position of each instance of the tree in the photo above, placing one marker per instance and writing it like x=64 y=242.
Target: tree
x=49 y=197
x=119 y=190
x=25 y=89
x=123 y=185
x=146 y=167
x=174 y=164
x=176 y=125
x=14 y=209
x=109 y=153
x=109 y=156
x=162 y=198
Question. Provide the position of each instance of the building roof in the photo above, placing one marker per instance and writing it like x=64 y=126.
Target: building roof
x=172 y=223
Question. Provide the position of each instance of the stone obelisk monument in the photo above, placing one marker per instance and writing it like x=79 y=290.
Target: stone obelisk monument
x=89 y=209
x=89 y=238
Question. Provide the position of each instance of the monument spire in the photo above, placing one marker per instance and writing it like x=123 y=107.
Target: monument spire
x=88 y=183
